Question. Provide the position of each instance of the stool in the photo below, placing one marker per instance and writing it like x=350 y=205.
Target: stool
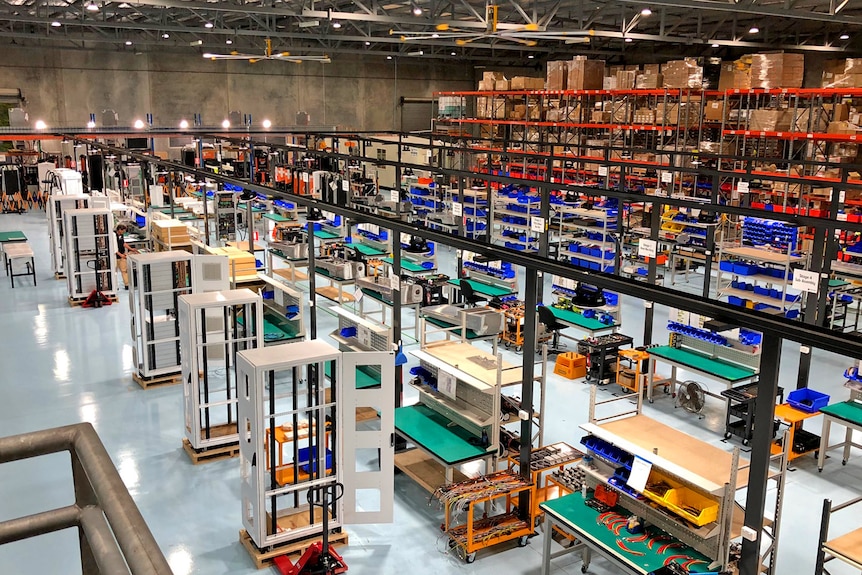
x=571 y=365
x=19 y=251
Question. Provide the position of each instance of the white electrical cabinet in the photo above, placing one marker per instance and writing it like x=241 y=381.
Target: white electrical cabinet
x=157 y=281
x=302 y=446
x=57 y=204
x=214 y=327
x=90 y=251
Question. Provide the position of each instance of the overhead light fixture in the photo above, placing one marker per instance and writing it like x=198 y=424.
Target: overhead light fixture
x=128 y=42
x=715 y=45
x=367 y=43
x=753 y=30
x=417 y=11
x=390 y=57
x=435 y=35
x=267 y=124
x=844 y=36
x=166 y=35
x=91 y=124
x=92 y=7
x=55 y=24
x=455 y=54
x=208 y=25
x=228 y=41
x=628 y=39
x=184 y=124
x=417 y=53
x=308 y=24
x=225 y=124
x=196 y=43
x=646 y=12
x=139 y=124
x=40 y=125
x=530 y=57
x=336 y=25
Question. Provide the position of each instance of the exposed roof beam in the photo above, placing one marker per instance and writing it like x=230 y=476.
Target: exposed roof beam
x=756 y=10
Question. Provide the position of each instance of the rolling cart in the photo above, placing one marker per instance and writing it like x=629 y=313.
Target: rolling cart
x=739 y=418
x=601 y=353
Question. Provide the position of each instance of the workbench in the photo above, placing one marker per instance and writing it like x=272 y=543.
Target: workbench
x=571 y=515
x=796 y=435
x=384 y=305
x=19 y=251
x=335 y=290
x=578 y=321
x=447 y=444
x=702 y=364
x=848 y=414
x=365 y=251
x=846 y=548
x=482 y=289
x=469 y=359
x=408 y=267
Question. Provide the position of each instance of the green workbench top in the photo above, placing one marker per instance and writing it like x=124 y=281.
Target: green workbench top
x=277 y=218
x=484 y=289
x=701 y=362
x=6 y=237
x=324 y=235
x=408 y=266
x=846 y=410
x=365 y=377
x=469 y=335
x=571 y=510
x=276 y=328
x=578 y=320
x=436 y=434
x=365 y=250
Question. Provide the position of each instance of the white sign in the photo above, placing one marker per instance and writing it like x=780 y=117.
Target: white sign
x=496 y=264
x=647 y=248
x=405 y=238
x=603 y=170
x=666 y=177
x=394 y=196
x=806 y=281
x=363 y=335
x=742 y=187
x=639 y=474
x=345 y=185
x=446 y=384
x=841 y=195
x=395 y=282
x=358 y=295
x=537 y=224
x=457 y=208
x=305 y=177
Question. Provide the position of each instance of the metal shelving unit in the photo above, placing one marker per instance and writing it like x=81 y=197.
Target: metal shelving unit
x=91 y=252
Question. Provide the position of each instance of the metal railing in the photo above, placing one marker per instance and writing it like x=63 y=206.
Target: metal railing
x=114 y=538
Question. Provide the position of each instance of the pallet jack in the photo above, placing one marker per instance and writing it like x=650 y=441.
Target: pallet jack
x=318 y=559
x=96 y=297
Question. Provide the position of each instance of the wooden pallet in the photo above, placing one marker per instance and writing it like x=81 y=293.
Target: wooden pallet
x=211 y=454
x=158 y=381
x=79 y=301
x=265 y=559
x=59 y=276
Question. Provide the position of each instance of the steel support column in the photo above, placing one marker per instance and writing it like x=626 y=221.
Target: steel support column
x=531 y=284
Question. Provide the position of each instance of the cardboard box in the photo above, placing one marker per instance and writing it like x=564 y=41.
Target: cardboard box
x=600 y=117
x=645 y=116
x=525 y=83
x=609 y=83
x=842 y=127
x=584 y=74
x=626 y=79
x=498 y=108
x=557 y=75
x=483 y=107
x=491 y=76
x=853 y=66
x=714 y=110
x=832 y=68
x=725 y=78
x=501 y=85
x=770 y=120
x=649 y=81
x=742 y=79
x=652 y=69
x=683 y=74
x=486 y=86
x=777 y=70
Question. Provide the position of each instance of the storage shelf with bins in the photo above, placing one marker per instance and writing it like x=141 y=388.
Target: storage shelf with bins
x=214 y=327
x=479 y=530
x=757 y=272
x=91 y=251
x=512 y=213
x=475 y=210
x=283 y=312
x=426 y=196
x=589 y=230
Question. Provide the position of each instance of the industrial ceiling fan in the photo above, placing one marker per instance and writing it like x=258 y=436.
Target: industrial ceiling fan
x=463 y=37
x=268 y=55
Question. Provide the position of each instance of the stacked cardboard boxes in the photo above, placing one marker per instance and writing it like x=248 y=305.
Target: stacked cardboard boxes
x=682 y=74
x=770 y=120
x=584 y=74
x=170 y=233
x=489 y=80
x=777 y=70
x=526 y=83
x=842 y=73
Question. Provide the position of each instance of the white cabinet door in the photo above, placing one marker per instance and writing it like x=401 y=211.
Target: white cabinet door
x=368 y=468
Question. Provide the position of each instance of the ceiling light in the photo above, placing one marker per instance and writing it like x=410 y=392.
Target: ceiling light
x=55 y=24
x=753 y=30
x=417 y=53
x=92 y=7
x=844 y=36
x=184 y=124
x=417 y=11
x=91 y=124
x=646 y=12
x=228 y=42
x=715 y=45
x=336 y=25
x=166 y=35
x=225 y=124
x=267 y=124
x=139 y=124
x=388 y=57
x=128 y=42
x=40 y=125
x=454 y=54
x=628 y=39
x=309 y=24
x=435 y=35
x=367 y=43
x=208 y=25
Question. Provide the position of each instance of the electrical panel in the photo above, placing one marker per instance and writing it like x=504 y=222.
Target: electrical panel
x=91 y=251
x=225 y=213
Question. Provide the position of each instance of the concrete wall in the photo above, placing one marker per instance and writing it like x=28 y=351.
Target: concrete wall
x=63 y=87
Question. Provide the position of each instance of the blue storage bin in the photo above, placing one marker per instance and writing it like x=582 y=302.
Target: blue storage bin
x=309 y=464
x=609 y=255
x=348 y=331
x=775 y=293
x=792 y=314
x=761 y=290
x=584 y=249
x=733 y=300
x=726 y=266
x=807 y=400
x=596 y=252
x=744 y=269
x=595 y=266
x=608 y=269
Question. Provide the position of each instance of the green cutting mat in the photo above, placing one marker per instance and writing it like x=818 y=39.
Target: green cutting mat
x=716 y=367
x=579 y=320
x=846 y=410
x=12 y=237
x=407 y=265
x=440 y=323
x=571 y=509
x=436 y=434
x=484 y=289
x=366 y=250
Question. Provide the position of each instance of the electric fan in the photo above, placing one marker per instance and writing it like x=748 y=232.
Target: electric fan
x=690 y=397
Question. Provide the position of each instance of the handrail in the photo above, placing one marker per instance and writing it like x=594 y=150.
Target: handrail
x=114 y=537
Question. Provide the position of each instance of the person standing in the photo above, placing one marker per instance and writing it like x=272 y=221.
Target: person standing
x=122 y=252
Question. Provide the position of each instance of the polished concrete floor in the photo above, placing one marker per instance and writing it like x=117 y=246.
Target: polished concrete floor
x=61 y=365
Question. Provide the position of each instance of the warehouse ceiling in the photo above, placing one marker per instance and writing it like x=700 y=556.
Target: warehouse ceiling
x=509 y=31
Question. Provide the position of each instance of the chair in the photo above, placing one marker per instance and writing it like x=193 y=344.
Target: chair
x=549 y=320
x=471 y=298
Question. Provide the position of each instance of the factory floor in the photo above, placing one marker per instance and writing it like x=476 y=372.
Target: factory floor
x=61 y=365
